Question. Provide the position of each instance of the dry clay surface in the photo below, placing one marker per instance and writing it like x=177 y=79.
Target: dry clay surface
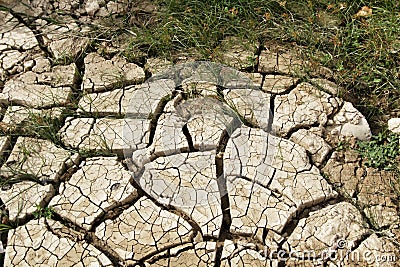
x=200 y=165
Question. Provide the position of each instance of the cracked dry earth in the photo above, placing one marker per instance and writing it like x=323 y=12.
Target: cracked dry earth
x=200 y=165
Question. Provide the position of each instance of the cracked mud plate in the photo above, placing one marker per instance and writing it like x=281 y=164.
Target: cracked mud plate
x=200 y=165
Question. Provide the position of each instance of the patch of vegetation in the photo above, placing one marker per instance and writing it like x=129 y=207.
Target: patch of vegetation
x=43 y=212
x=197 y=27
x=43 y=126
x=381 y=152
x=358 y=40
x=5 y=227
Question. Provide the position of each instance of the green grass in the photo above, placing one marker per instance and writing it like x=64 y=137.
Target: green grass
x=43 y=212
x=197 y=27
x=381 y=152
x=363 y=52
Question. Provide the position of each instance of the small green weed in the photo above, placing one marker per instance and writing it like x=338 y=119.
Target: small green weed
x=5 y=227
x=199 y=25
x=342 y=145
x=381 y=152
x=43 y=126
x=43 y=212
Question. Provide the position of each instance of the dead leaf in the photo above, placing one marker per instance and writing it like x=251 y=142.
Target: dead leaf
x=282 y=3
x=330 y=6
x=342 y=6
x=364 y=12
x=233 y=11
x=267 y=16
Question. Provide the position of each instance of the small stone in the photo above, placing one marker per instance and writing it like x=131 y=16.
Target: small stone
x=102 y=12
x=365 y=11
x=28 y=65
x=349 y=122
x=394 y=125
x=115 y=7
x=66 y=5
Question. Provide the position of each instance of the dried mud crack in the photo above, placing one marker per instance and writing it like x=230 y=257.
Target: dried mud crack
x=199 y=165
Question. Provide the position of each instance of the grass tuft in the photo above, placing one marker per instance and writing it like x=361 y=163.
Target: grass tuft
x=362 y=49
x=382 y=152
